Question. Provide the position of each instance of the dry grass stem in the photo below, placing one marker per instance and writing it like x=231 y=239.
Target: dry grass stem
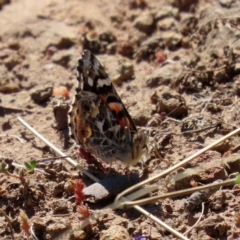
x=196 y=223
x=176 y=193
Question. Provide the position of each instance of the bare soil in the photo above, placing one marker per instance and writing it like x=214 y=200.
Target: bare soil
x=176 y=66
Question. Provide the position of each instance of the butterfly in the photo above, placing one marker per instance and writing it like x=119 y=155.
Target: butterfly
x=99 y=121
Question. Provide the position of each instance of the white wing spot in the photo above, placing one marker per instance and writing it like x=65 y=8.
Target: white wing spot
x=100 y=126
x=90 y=82
x=102 y=82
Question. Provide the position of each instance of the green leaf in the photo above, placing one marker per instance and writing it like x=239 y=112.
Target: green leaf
x=27 y=165
x=238 y=179
x=3 y=167
x=33 y=163
x=30 y=166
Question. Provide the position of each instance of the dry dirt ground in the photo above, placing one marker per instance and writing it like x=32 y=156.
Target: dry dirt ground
x=176 y=66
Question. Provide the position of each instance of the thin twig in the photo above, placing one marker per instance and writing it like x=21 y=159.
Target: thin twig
x=175 y=193
x=173 y=119
x=202 y=129
x=152 y=217
x=49 y=159
x=205 y=106
x=196 y=223
x=32 y=233
x=161 y=223
x=225 y=20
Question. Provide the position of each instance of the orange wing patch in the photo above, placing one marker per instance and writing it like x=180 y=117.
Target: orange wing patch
x=118 y=108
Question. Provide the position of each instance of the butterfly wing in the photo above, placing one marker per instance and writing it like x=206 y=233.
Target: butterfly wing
x=98 y=119
x=95 y=79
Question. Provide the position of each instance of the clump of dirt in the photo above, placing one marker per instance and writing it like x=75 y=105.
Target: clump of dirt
x=176 y=67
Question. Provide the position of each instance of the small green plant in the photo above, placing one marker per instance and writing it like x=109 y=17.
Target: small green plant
x=3 y=168
x=30 y=166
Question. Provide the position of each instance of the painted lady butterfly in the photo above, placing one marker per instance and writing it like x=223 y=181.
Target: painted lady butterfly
x=98 y=120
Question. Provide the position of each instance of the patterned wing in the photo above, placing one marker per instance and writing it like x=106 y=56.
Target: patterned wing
x=98 y=119
x=97 y=130
x=95 y=79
